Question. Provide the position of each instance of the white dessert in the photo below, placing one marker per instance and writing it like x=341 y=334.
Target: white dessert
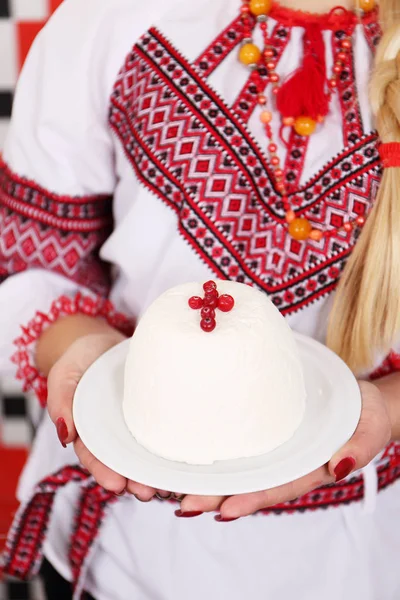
x=198 y=397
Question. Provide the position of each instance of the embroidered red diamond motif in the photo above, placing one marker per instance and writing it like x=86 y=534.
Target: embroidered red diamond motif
x=71 y=258
x=247 y=224
x=234 y=205
x=28 y=246
x=146 y=103
x=336 y=220
x=202 y=166
x=50 y=253
x=261 y=242
x=358 y=208
x=159 y=117
x=9 y=239
x=218 y=185
x=172 y=132
x=186 y=148
x=295 y=246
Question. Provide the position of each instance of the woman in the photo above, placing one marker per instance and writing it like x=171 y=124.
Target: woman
x=177 y=141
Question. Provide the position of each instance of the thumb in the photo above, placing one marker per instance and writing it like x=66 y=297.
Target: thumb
x=61 y=385
x=372 y=435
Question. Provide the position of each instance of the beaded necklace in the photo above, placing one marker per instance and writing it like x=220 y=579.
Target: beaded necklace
x=310 y=82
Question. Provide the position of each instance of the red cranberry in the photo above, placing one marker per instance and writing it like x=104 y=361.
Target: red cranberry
x=209 y=287
x=195 y=302
x=207 y=312
x=211 y=301
x=226 y=303
x=208 y=325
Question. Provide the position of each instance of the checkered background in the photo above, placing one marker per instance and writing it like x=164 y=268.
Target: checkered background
x=20 y=21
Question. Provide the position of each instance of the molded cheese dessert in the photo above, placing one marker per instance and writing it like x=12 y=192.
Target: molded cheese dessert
x=213 y=375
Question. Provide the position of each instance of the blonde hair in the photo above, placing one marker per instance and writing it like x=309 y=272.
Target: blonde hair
x=366 y=314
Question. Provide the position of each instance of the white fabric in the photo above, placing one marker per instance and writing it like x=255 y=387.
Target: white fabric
x=60 y=139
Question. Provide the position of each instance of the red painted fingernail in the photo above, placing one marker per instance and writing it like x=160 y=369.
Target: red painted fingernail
x=187 y=515
x=344 y=468
x=221 y=519
x=62 y=431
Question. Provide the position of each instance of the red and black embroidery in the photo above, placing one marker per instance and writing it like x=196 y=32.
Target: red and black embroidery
x=23 y=553
x=351 y=114
x=219 y=48
x=39 y=229
x=372 y=30
x=190 y=149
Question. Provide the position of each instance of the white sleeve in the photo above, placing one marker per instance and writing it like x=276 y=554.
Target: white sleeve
x=57 y=176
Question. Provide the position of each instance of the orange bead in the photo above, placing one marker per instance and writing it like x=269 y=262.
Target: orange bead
x=316 y=235
x=260 y=7
x=367 y=5
x=249 y=54
x=300 y=229
x=290 y=216
x=266 y=117
x=305 y=126
x=262 y=99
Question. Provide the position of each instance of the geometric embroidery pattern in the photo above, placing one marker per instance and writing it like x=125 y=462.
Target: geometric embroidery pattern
x=190 y=149
x=39 y=229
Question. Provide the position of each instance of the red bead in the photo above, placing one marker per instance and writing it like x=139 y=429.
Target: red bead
x=226 y=303
x=196 y=302
x=348 y=227
x=262 y=99
x=271 y=65
x=346 y=44
x=275 y=90
x=207 y=312
x=275 y=161
x=360 y=221
x=274 y=77
x=279 y=173
x=208 y=325
x=269 y=53
x=209 y=286
x=272 y=148
x=280 y=187
x=342 y=56
x=211 y=301
x=337 y=69
x=263 y=27
x=245 y=9
x=332 y=83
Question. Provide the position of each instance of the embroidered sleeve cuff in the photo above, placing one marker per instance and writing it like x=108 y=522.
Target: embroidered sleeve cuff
x=24 y=357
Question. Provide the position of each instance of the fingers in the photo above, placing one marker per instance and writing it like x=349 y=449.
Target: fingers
x=201 y=503
x=104 y=476
x=372 y=434
x=61 y=389
x=143 y=493
x=248 y=504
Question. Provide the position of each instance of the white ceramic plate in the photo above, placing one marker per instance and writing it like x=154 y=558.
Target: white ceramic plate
x=332 y=414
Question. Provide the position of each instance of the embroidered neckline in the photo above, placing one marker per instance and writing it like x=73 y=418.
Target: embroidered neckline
x=332 y=20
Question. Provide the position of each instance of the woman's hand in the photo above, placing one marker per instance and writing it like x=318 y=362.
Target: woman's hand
x=63 y=379
x=372 y=435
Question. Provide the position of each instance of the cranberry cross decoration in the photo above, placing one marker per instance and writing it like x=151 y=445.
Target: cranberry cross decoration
x=208 y=305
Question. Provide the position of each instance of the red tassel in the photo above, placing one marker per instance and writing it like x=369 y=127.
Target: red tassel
x=304 y=93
